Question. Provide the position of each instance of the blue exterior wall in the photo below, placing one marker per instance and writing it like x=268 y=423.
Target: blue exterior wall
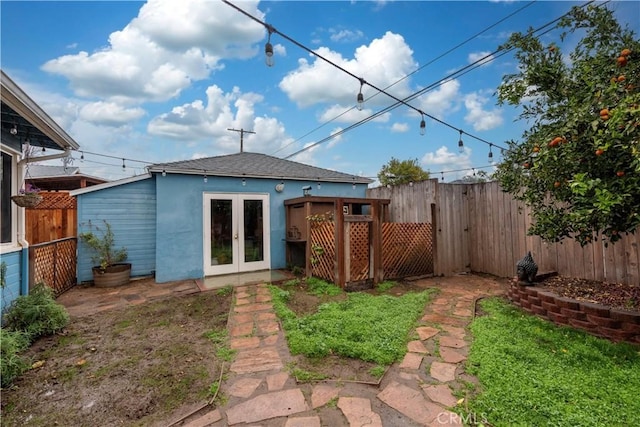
x=11 y=291
x=130 y=209
x=180 y=222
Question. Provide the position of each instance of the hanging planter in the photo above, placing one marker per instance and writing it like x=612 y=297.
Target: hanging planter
x=29 y=199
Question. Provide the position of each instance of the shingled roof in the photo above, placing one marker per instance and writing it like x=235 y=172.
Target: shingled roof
x=256 y=165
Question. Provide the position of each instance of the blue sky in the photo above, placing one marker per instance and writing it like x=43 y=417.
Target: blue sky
x=164 y=80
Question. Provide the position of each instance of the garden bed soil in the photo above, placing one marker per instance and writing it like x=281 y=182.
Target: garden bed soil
x=614 y=295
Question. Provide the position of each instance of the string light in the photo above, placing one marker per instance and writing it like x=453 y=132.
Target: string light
x=268 y=47
x=82 y=156
x=319 y=185
x=423 y=126
x=442 y=179
x=205 y=179
x=490 y=154
x=164 y=172
x=353 y=185
x=244 y=182
x=360 y=98
x=460 y=143
x=14 y=130
x=123 y=166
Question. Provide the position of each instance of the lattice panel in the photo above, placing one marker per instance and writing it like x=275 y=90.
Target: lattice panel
x=407 y=249
x=358 y=250
x=54 y=264
x=56 y=200
x=323 y=250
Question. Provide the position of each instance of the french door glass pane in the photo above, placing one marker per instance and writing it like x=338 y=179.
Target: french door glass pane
x=253 y=238
x=221 y=232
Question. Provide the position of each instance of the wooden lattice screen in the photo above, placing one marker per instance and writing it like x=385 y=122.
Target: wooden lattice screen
x=323 y=250
x=407 y=249
x=357 y=251
x=53 y=263
x=52 y=219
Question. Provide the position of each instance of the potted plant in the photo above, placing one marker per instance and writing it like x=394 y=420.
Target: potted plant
x=110 y=269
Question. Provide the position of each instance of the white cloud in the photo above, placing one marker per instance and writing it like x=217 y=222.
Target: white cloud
x=399 y=127
x=444 y=160
x=477 y=56
x=480 y=118
x=442 y=100
x=109 y=114
x=161 y=51
x=210 y=121
x=383 y=62
x=342 y=114
x=336 y=139
x=345 y=35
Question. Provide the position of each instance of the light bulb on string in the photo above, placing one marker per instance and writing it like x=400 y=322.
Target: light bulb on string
x=205 y=179
x=164 y=172
x=82 y=156
x=360 y=98
x=14 y=130
x=442 y=179
x=123 y=166
x=423 y=126
x=460 y=143
x=490 y=154
x=268 y=48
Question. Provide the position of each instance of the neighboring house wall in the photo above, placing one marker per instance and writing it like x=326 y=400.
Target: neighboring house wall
x=180 y=222
x=11 y=290
x=130 y=209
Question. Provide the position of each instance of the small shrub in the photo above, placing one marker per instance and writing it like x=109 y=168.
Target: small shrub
x=320 y=287
x=36 y=314
x=13 y=365
x=385 y=286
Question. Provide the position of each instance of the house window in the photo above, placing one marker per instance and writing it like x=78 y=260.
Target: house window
x=5 y=202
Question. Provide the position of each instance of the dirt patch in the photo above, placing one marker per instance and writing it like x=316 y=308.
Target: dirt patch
x=131 y=366
x=614 y=295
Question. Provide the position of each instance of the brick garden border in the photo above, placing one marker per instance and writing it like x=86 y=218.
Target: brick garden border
x=595 y=319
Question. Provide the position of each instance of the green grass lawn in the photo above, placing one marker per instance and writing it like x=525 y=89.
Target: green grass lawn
x=537 y=374
x=373 y=328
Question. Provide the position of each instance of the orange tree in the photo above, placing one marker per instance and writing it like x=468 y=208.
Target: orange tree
x=578 y=165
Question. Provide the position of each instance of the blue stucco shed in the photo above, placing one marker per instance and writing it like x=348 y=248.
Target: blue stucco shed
x=205 y=217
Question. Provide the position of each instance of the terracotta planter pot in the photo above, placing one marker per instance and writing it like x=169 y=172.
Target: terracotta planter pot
x=114 y=275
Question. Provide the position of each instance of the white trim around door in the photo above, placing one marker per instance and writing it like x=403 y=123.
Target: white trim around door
x=236 y=233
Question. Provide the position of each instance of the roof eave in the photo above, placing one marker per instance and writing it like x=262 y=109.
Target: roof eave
x=353 y=179
x=22 y=104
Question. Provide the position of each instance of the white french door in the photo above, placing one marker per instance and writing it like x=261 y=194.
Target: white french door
x=236 y=233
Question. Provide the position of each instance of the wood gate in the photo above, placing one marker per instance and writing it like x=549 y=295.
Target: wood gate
x=54 y=264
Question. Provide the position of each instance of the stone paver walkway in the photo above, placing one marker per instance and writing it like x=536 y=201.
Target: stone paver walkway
x=418 y=391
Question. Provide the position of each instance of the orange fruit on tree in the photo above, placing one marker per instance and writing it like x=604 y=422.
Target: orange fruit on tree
x=620 y=173
x=625 y=52
x=621 y=61
x=621 y=78
x=557 y=184
x=526 y=165
x=599 y=152
x=604 y=112
x=536 y=149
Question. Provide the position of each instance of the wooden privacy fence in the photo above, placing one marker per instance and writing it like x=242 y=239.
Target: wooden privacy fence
x=54 y=264
x=54 y=218
x=480 y=228
x=407 y=249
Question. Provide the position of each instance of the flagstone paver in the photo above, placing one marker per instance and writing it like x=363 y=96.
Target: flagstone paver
x=411 y=361
x=277 y=381
x=410 y=402
x=322 y=394
x=417 y=347
x=444 y=372
x=303 y=422
x=450 y=355
x=205 y=420
x=244 y=387
x=358 y=412
x=452 y=342
x=440 y=393
x=265 y=406
x=426 y=332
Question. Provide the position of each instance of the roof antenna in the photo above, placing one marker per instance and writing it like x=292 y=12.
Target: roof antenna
x=242 y=132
